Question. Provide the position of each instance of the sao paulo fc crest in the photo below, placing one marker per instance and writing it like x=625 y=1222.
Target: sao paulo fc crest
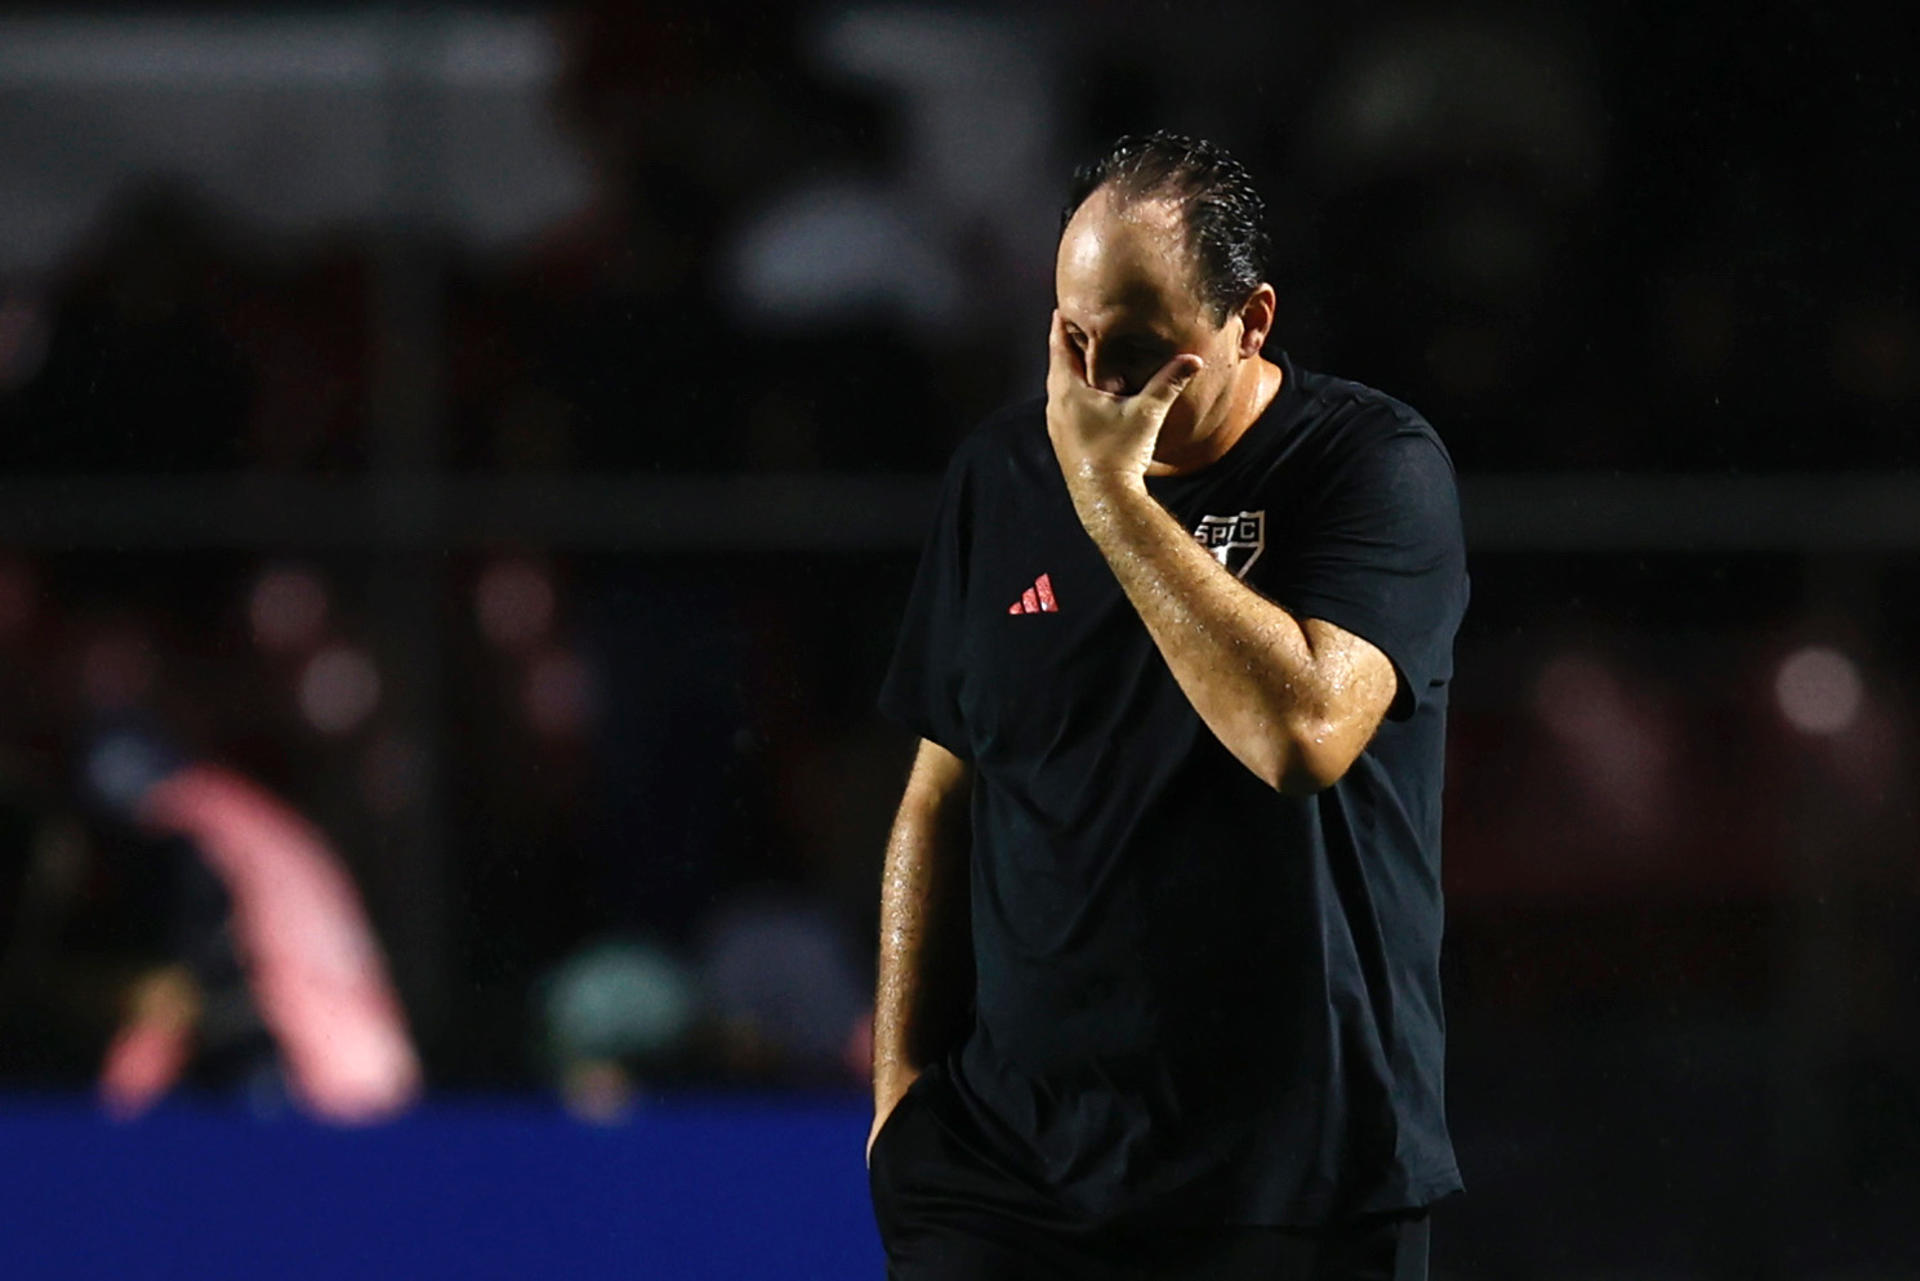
x=1235 y=541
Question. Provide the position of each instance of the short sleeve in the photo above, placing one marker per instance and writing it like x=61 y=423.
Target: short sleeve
x=922 y=686
x=1379 y=552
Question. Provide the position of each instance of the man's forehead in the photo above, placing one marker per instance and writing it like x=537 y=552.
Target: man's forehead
x=1121 y=257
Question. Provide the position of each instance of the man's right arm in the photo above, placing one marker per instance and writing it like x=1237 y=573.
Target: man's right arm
x=921 y=1003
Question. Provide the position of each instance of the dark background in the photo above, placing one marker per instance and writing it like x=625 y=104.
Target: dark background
x=593 y=366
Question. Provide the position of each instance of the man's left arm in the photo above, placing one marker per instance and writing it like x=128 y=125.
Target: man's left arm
x=1294 y=700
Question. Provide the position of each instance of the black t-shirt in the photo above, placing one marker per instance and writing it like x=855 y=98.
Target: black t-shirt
x=1197 y=998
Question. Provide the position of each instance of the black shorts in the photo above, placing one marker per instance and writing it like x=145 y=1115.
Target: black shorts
x=948 y=1212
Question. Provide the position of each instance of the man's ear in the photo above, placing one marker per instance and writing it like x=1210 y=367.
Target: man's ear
x=1256 y=320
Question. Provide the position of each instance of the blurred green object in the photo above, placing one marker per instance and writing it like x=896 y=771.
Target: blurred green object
x=623 y=999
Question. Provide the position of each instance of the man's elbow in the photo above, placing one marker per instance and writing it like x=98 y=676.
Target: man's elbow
x=1305 y=764
x=1305 y=780
x=1301 y=754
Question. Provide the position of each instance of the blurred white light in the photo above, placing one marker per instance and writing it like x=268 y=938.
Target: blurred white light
x=287 y=608
x=560 y=695
x=339 y=689
x=514 y=602
x=1819 y=690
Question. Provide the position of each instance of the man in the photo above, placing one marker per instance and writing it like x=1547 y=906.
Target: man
x=1178 y=653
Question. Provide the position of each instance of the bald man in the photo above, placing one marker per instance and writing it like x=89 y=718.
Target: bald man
x=1161 y=915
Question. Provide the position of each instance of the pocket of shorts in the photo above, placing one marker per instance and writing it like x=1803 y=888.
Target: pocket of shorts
x=888 y=1126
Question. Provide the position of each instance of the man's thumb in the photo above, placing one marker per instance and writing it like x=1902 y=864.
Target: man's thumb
x=1166 y=386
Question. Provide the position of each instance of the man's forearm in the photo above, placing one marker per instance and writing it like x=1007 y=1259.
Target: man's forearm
x=926 y=950
x=1247 y=666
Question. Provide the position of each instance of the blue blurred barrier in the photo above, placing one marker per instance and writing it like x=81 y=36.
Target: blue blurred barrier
x=689 y=1187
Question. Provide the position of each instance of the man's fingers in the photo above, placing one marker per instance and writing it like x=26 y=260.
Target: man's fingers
x=1165 y=387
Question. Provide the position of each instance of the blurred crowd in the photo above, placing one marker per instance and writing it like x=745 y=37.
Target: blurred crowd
x=654 y=784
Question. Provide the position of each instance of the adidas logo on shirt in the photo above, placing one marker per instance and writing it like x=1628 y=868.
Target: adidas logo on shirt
x=1037 y=599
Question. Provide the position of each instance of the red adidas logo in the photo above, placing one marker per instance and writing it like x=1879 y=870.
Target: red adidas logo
x=1037 y=599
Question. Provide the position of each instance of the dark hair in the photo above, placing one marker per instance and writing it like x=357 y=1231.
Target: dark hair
x=1222 y=215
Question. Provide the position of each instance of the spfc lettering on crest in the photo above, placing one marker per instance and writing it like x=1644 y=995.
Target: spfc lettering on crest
x=1235 y=541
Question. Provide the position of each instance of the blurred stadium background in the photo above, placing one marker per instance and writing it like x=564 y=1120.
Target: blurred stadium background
x=465 y=464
